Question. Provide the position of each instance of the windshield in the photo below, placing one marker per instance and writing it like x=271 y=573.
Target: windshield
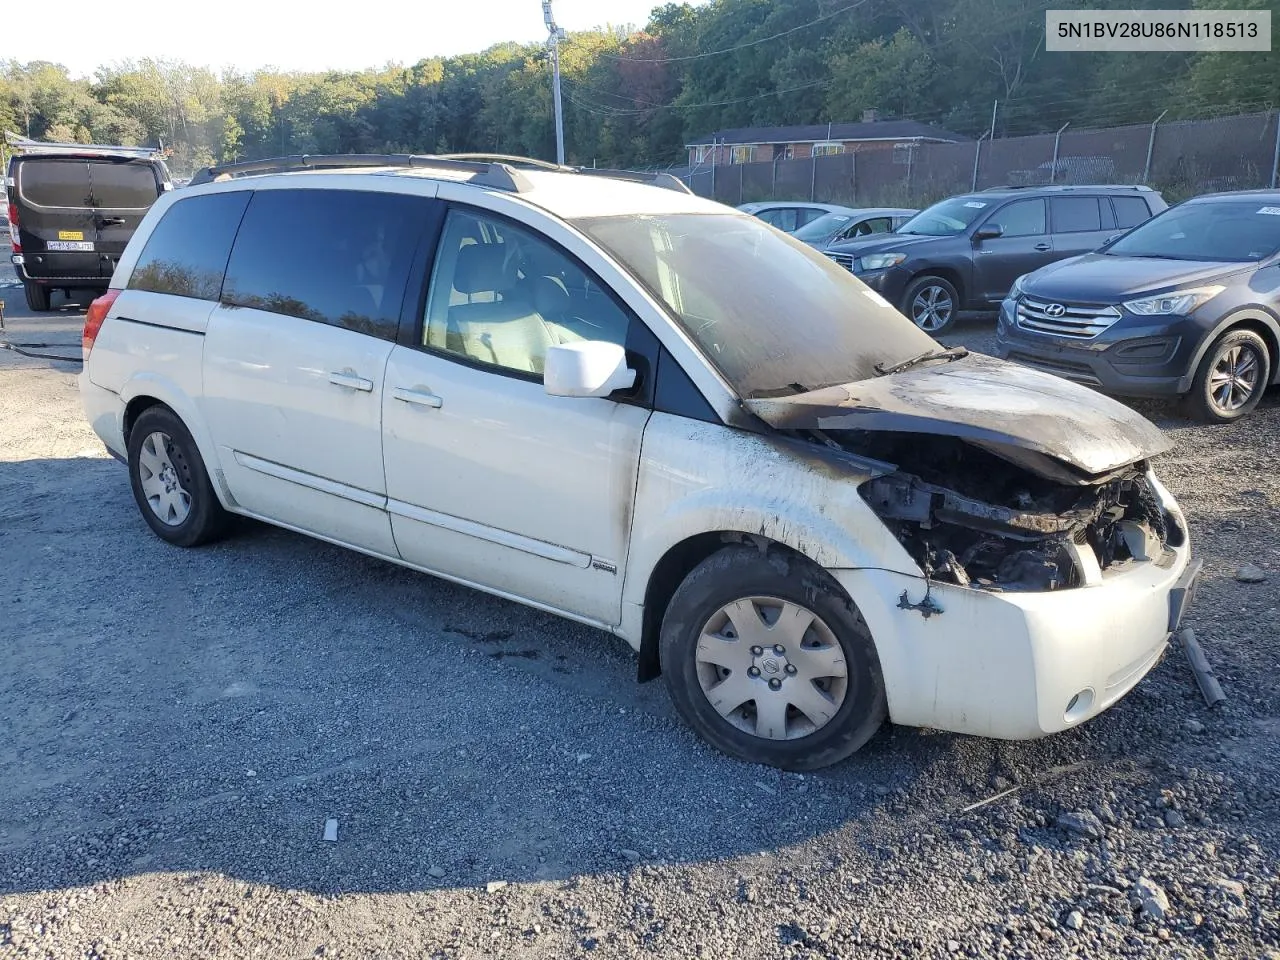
x=822 y=228
x=774 y=316
x=948 y=218
x=1221 y=230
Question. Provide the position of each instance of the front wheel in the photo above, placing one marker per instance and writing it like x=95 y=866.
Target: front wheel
x=931 y=303
x=170 y=482
x=768 y=660
x=1231 y=379
x=38 y=297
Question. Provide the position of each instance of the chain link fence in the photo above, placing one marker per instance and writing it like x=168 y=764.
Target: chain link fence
x=1180 y=158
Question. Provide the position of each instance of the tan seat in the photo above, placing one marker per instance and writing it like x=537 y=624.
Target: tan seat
x=506 y=330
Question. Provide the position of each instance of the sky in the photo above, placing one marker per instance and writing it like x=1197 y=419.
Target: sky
x=292 y=35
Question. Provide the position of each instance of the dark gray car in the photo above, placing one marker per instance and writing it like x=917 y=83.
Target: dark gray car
x=965 y=252
x=1188 y=304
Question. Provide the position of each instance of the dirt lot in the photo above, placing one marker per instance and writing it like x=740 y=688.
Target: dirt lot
x=177 y=726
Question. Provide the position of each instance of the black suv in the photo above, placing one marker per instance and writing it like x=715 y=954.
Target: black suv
x=1187 y=305
x=72 y=209
x=965 y=252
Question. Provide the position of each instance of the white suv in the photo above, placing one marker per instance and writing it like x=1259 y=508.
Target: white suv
x=650 y=413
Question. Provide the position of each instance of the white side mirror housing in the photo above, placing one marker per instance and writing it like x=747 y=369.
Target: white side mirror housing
x=588 y=368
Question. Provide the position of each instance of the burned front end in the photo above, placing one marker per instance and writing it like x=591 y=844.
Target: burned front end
x=971 y=517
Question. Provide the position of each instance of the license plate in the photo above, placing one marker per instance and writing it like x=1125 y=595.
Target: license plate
x=71 y=245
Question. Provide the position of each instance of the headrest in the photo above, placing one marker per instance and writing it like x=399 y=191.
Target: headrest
x=550 y=298
x=480 y=268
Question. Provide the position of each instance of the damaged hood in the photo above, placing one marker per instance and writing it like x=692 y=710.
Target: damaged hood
x=1021 y=414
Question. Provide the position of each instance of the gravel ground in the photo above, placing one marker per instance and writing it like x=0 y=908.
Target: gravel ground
x=179 y=725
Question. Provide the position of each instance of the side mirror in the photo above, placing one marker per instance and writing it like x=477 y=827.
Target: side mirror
x=988 y=231
x=588 y=368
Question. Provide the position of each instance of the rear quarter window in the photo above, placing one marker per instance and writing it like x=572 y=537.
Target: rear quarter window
x=340 y=257
x=1130 y=211
x=186 y=255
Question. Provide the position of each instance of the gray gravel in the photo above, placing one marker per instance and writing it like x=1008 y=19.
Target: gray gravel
x=178 y=726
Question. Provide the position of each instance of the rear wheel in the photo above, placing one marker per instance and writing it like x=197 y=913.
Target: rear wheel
x=170 y=482
x=769 y=661
x=1232 y=378
x=931 y=303
x=37 y=296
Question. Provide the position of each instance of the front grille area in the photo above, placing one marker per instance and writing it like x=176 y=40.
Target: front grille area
x=1065 y=319
x=844 y=259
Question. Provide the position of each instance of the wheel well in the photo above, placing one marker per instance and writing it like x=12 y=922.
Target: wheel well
x=946 y=273
x=133 y=409
x=670 y=572
x=1268 y=337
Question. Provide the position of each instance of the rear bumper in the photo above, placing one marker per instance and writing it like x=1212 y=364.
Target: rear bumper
x=105 y=412
x=46 y=274
x=1016 y=666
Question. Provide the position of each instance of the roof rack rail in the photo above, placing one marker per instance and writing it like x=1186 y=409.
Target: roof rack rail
x=665 y=180
x=1069 y=186
x=17 y=144
x=501 y=176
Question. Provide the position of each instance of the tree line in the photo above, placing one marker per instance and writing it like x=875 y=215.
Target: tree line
x=633 y=97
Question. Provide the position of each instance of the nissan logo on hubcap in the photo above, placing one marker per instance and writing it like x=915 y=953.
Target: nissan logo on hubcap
x=1054 y=310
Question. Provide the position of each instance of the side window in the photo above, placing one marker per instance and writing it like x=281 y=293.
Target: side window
x=1130 y=211
x=1022 y=218
x=186 y=254
x=500 y=295
x=340 y=257
x=784 y=218
x=1075 y=214
x=875 y=225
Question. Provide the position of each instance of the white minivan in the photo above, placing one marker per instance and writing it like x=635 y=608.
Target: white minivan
x=650 y=413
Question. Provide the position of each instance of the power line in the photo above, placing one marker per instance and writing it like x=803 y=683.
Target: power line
x=741 y=46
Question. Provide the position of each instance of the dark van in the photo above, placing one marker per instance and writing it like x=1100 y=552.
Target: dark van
x=72 y=209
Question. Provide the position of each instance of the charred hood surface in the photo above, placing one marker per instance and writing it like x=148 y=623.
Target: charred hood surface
x=1022 y=415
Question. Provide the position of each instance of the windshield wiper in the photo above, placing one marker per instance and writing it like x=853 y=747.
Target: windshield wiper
x=951 y=353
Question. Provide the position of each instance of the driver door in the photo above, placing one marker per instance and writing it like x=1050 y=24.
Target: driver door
x=1024 y=246
x=489 y=480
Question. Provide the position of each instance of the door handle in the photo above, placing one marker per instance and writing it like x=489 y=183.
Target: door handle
x=420 y=397
x=351 y=381
x=1042 y=247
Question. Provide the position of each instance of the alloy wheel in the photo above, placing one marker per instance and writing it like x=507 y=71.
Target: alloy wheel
x=1234 y=378
x=931 y=308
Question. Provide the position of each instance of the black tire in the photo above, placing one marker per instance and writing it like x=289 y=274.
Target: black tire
x=738 y=572
x=1213 y=401
x=37 y=296
x=939 y=320
x=205 y=520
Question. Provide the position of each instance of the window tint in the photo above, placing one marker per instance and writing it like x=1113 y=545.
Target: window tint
x=187 y=253
x=111 y=184
x=785 y=219
x=501 y=295
x=54 y=183
x=1075 y=214
x=123 y=186
x=806 y=215
x=1023 y=218
x=340 y=257
x=1130 y=211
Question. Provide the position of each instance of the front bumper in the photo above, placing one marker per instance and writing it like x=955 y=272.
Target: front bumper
x=1134 y=357
x=890 y=284
x=1016 y=666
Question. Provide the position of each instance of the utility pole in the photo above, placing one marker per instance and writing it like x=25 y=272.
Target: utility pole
x=555 y=35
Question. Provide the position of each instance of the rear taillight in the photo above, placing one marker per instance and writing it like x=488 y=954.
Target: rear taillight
x=13 y=228
x=93 y=319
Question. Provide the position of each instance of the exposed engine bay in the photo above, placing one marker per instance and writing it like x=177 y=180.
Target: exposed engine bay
x=971 y=517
